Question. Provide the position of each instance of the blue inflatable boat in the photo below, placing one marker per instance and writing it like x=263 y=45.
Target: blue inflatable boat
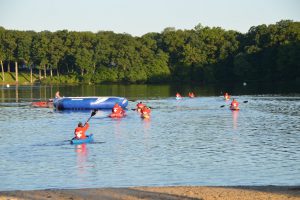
x=88 y=103
x=88 y=139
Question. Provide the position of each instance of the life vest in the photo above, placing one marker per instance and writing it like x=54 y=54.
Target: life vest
x=146 y=110
x=234 y=104
x=80 y=131
x=117 y=109
x=191 y=95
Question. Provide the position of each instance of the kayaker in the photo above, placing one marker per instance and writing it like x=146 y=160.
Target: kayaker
x=80 y=131
x=178 y=95
x=140 y=106
x=234 y=104
x=145 y=112
x=226 y=96
x=117 y=109
x=191 y=95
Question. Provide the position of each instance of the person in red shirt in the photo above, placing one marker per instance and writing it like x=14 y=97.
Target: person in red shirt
x=140 y=106
x=116 y=109
x=191 y=95
x=178 y=95
x=226 y=96
x=234 y=104
x=80 y=131
x=145 y=112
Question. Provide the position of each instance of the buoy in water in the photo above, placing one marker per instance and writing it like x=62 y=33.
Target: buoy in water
x=244 y=84
x=7 y=85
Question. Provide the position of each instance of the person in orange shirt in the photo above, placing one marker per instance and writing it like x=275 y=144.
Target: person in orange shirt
x=140 y=106
x=226 y=96
x=80 y=131
x=178 y=95
x=234 y=104
x=145 y=112
x=117 y=109
x=191 y=95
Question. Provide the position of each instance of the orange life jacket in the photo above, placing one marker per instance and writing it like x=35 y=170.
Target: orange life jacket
x=80 y=131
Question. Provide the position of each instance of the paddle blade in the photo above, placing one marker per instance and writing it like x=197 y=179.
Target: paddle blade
x=94 y=112
x=245 y=101
x=222 y=106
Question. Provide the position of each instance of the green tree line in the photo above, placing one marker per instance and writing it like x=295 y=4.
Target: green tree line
x=201 y=55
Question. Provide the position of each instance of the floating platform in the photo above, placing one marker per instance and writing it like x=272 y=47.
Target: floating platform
x=88 y=103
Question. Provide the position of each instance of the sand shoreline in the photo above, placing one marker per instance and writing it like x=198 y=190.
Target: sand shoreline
x=172 y=193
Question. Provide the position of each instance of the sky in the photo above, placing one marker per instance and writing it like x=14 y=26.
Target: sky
x=138 y=17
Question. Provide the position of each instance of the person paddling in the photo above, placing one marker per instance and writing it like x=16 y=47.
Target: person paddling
x=80 y=131
x=117 y=109
x=234 y=105
x=226 y=96
x=191 y=95
x=178 y=96
x=140 y=106
x=145 y=112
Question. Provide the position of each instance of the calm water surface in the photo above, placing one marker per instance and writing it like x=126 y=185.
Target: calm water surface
x=186 y=142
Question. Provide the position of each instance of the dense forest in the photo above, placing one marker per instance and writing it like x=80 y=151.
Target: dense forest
x=201 y=55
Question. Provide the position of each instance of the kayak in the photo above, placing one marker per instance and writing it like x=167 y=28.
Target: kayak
x=42 y=104
x=88 y=103
x=88 y=139
x=145 y=116
x=234 y=108
x=178 y=98
x=117 y=115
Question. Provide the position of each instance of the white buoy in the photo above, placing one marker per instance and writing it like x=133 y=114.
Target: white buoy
x=244 y=84
x=7 y=85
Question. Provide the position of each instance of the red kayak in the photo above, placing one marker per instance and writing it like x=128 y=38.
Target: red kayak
x=43 y=104
x=117 y=115
x=234 y=108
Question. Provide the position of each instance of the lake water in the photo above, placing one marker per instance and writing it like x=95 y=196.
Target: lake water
x=186 y=142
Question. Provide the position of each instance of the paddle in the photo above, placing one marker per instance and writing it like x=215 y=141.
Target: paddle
x=224 y=105
x=92 y=114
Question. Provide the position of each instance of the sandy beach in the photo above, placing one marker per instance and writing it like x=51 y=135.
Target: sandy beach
x=172 y=193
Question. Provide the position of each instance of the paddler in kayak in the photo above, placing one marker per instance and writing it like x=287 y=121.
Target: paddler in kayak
x=117 y=111
x=191 y=95
x=234 y=105
x=226 y=96
x=80 y=131
x=145 y=112
x=140 y=106
x=178 y=96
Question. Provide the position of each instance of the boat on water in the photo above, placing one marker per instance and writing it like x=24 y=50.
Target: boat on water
x=88 y=139
x=117 y=115
x=234 y=108
x=88 y=103
x=43 y=104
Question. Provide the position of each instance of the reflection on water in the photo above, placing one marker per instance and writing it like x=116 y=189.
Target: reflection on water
x=235 y=114
x=186 y=142
x=82 y=154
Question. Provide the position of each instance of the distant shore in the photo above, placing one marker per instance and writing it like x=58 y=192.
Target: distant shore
x=174 y=193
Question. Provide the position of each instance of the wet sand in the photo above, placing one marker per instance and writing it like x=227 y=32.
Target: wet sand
x=159 y=193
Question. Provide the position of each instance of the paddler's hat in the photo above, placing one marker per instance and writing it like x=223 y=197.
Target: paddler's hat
x=80 y=124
